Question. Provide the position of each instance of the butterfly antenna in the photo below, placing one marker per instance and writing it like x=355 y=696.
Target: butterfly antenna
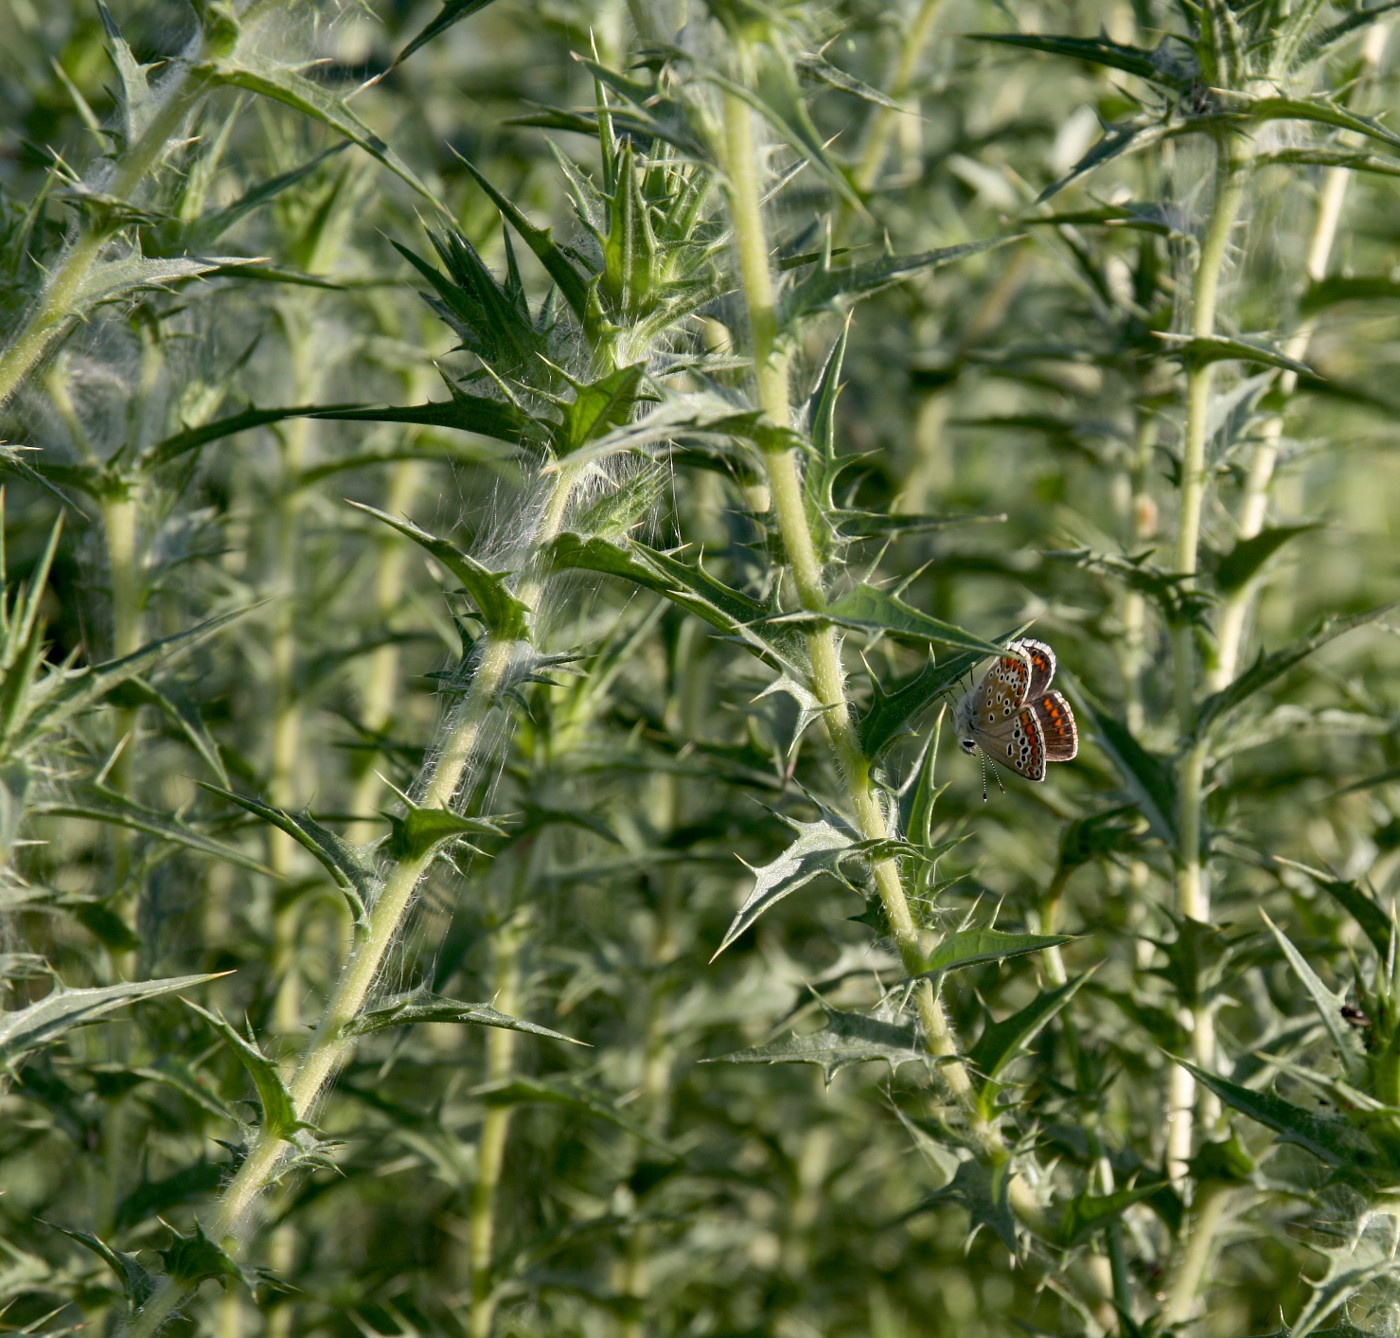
x=996 y=775
x=983 y=756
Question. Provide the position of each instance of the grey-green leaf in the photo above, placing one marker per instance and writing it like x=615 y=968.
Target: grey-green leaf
x=25 y=1030
x=847 y=1038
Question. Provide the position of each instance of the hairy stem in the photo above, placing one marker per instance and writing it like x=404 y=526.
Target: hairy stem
x=1236 y=606
x=1192 y=884
x=743 y=182
x=329 y=1045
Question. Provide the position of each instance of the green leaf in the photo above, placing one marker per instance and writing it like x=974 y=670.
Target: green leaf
x=66 y=693
x=422 y=1006
x=265 y=76
x=691 y=587
x=1003 y=1042
x=1318 y=41
x=866 y=609
x=1346 y=1045
x=1338 y=288
x=566 y=1095
x=971 y=947
x=819 y=291
x=1163 y=65
x=98 y=803
x=889 y=712
x=421 y=832
x=847 y=1038
x=114 y=280
x=452 y=11
x=984 y=1190
x=1332 y=1141
x=1370 y=918
x=354 y=876
x=463 y=413
x=598 y=407
x=502 y=614
x=1087 y=1213
x=1318 y=110
x=819 y=849
x=195 y=1258
x=1237 y=567
x=137 y=1283
x=776 y=96
x=574 y=284
x=1269 y=667
x=279 y=1116
x=1145 y=776
x=1220 y=348
x=630 y=275
x=24 y=1030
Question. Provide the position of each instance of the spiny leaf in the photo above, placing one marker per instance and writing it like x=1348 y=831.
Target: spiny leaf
x=1327 y=1003
x=503 y=615
x=1148 y=781
x=113 y=280
x=279 y=1116
x=195 y=1258
x=354 y=876
x=1087 y=1213
x=1239 y=565
x=889 y=712
x=567 y=1095
x=691 y=587
x=598 y=407
x=827 y=286
x=452 y=11
x=68 y=692
x=1319 y=110
x=819 y=849
x=1003 y=1042
x=1163 y=65
x=100 y=803
x=970 y=947
x=423 y=1006
x=1357 y=903
x=1332 y=1141
x=264 y=75
x=24 y=1030
x=1269 y=667
x=573 y=283
x=420 y=832
x=984 y=1190
x=867 y=609
x=137 y=1283
x=847 y=1038
x=463 y=413
x=1204 y=349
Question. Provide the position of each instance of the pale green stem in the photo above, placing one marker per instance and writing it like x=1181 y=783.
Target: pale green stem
x=743 y=184
x=1236 y=606
x=1192 y=886
x=882 y=118
x=1198 y=1237
x=1117 y=1282
x=329 y=1046
x=379 y=690
x=495 y=1125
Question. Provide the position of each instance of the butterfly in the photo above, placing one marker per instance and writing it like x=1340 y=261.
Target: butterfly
x=1014 y=718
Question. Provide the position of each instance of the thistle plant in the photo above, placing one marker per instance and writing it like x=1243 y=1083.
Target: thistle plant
x=518 y=585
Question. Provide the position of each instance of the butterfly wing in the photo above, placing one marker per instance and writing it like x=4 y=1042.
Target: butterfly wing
x=990 y=707
x=1057 y=726
x=1020 y=745
x=1042 y=665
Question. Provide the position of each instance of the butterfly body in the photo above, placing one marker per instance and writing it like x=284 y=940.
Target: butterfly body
x=1013 y=716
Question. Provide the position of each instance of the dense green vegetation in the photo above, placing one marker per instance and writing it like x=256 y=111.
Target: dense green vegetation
x=502 y=502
